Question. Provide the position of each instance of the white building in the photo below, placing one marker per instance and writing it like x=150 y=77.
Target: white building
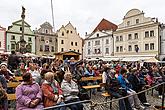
x=2 y=39
x=99 y=44
x=137 y=37
x=162 y=40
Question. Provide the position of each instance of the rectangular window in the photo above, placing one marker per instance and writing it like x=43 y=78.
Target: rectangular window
x=89 y=51
x=97 y=35
x=89 y=44
x=107 y=41
x=71 y=43
x=128 y=23
x=137 y=21
x=146 y=46
x=136 y=48
x=75 y=43
x=129 y=48
x=12 y=46
x=20 y=28
x=121 y=48
x=97 y=42
x=62 y=41
x=117 y=38
x=52 y=49
x=95 y=51
x=50 y=39
x=41 y=48
x=12 y=37
x=62 y=49
x=136 y=36
x=29 y=39
x=152 y=33
x=42 y=38
x=106 y=50
x=117 y=49
x=151 y=46
x=121 y=38
x=129 y=36
x=62 y=33
x=46 y=48
x=146 y=34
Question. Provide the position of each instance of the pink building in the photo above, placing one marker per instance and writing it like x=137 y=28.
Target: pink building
x=2 y=39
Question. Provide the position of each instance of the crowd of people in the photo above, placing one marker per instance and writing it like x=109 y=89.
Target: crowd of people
x=58 y=82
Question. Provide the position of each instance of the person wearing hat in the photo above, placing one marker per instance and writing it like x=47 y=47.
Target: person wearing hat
x=5 y=72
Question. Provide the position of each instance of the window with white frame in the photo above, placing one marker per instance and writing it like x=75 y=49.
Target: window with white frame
x=146 y=34
x=117 y=38
x=129 y=36
x=106 y=50
x=136 y=36
x=137 y=21
x=117 y=49
x=146 y=46
x=89 y=43
x=121 y=38
x=152 y=33
x=129 y=48
x=107 y=41
x=121 y=48
x=151 y=46
x=89 y=51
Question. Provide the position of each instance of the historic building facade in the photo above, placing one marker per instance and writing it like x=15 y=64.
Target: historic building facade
x=99 y=44
x=13 y=37
x=137 y=36
x=46 y=40
x=162 y=42
x=69 y=39
x=2 y=39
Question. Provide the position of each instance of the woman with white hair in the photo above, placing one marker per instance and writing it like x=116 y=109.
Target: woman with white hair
x=52 y=92
x=70 y=91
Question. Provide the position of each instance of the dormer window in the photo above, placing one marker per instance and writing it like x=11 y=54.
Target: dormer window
x=128 y=23
x=137 y=21
x=97 y=35
x=46 y=31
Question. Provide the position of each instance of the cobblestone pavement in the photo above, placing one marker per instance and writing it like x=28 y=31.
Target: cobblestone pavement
x=153 y=100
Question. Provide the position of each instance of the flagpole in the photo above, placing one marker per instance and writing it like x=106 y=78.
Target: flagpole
x=52 y=15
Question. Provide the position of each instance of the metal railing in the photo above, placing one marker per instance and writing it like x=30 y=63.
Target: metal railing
x=93 y=104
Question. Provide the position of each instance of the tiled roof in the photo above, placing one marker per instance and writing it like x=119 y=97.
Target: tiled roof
x=105 y=25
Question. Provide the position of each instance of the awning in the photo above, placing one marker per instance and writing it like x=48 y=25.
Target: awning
x=151 y=60
x=111 y=59
x=135 y=58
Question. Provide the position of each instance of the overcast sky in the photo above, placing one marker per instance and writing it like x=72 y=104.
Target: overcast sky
x=83 y=14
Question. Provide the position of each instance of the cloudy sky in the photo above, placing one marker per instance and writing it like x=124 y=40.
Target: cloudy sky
x=83 y=14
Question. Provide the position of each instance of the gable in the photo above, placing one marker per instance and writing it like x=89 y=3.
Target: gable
x=97 y=34
x=19 y=23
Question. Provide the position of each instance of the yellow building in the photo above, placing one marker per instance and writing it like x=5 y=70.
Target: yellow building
x=69 y=39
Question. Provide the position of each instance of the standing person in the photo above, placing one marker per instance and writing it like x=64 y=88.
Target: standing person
x=28 y=94
x=70 y=91
x=13 y=61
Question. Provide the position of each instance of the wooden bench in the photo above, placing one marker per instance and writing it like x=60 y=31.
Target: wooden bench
x=18 y=78
x=11 y=96
x=91 y=87
x=91 y=78
x=12 y=84
x=107 y=95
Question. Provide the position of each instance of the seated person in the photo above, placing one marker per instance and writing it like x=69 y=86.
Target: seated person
x=51 y=91
x=3 y=95
x=113 y=87
x=21 y=70
x=70 y=91
x=124 y=83
x=5 y=72
x=28 y=94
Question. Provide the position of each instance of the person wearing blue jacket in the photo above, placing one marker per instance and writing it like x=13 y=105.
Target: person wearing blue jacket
x=124 y=83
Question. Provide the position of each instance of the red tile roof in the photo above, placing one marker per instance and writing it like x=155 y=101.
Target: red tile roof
x=105 y=25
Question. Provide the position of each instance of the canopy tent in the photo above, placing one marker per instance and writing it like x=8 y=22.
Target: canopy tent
x=134 y=59
x=153 y=59
x=30 y=55
x=111 y=59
